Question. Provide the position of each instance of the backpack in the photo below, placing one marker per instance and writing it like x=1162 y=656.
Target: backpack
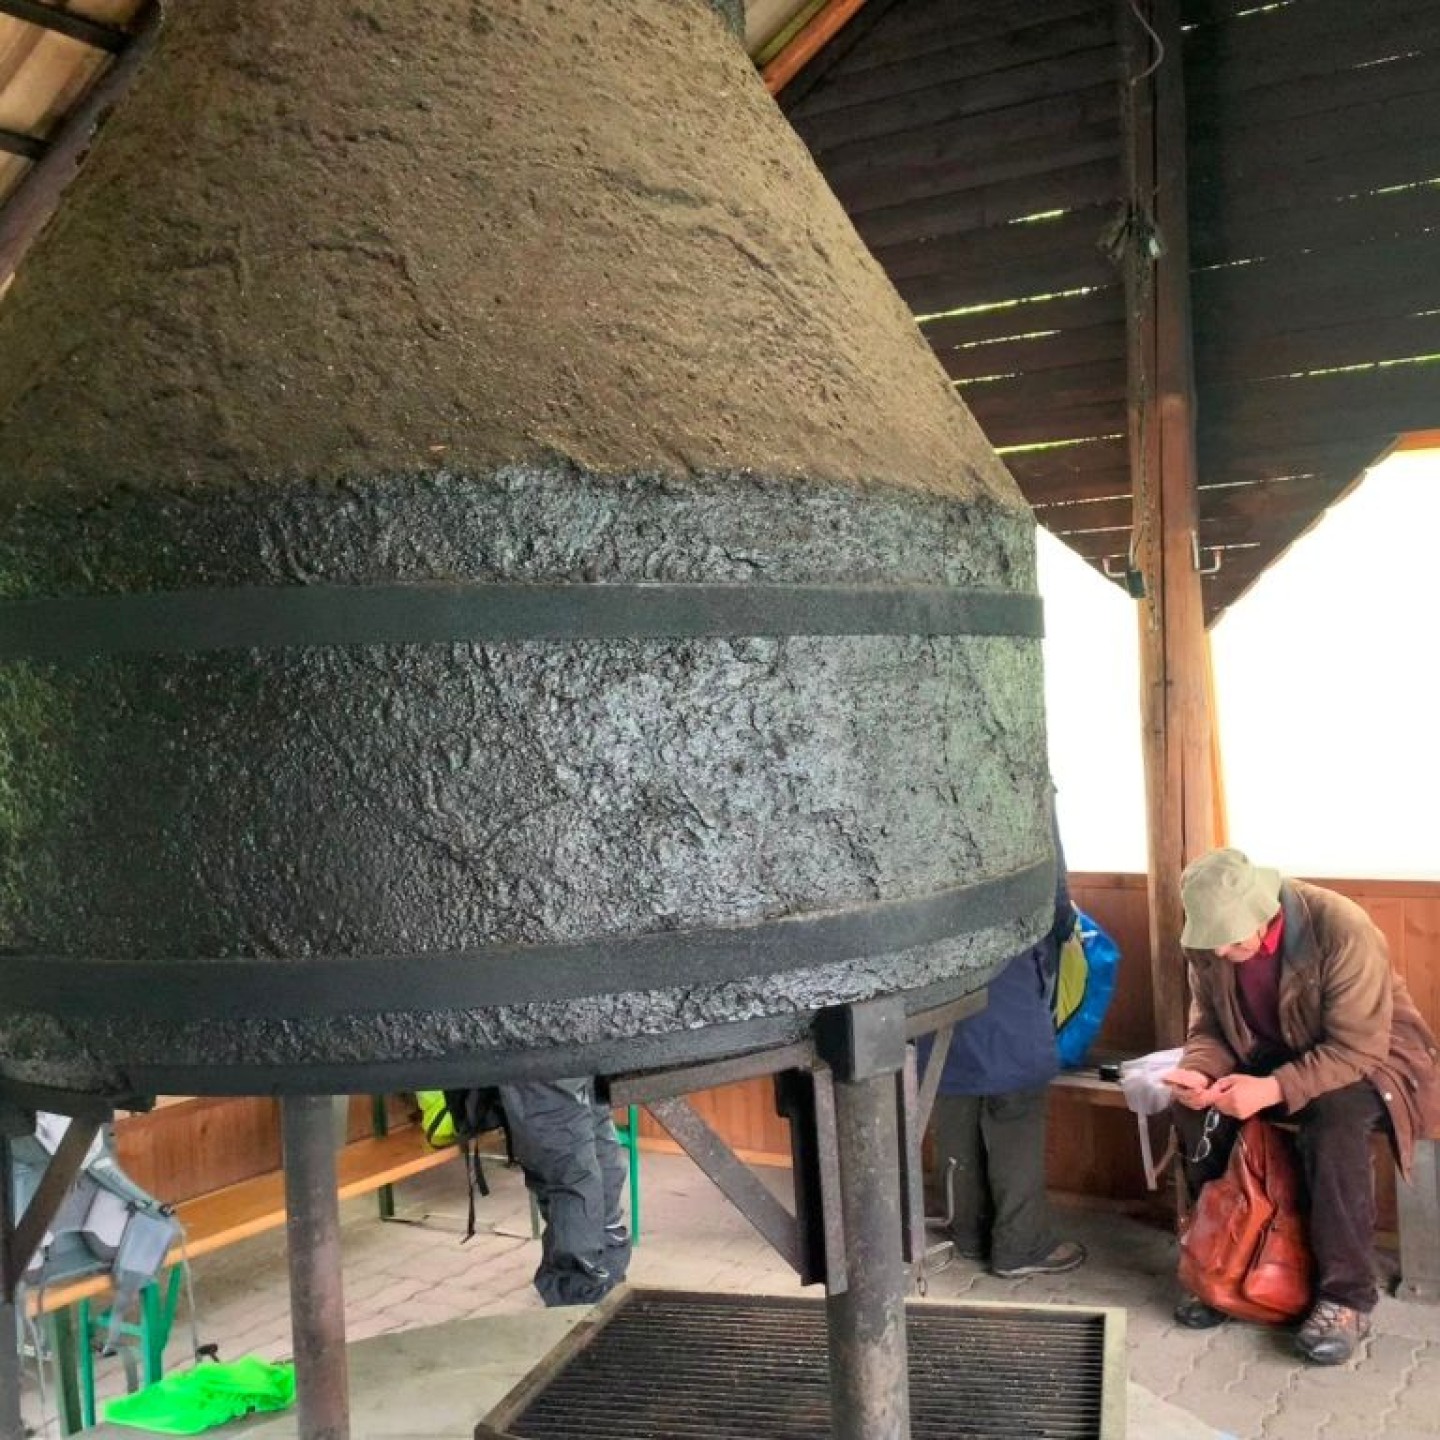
x=1088 y=961
x=104 y=1223
x=461 y=1117
x=1243 y=1248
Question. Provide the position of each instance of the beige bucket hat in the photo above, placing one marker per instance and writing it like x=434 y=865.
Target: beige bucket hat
x=1227 y=899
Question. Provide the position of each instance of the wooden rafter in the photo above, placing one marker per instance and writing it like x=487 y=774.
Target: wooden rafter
x=822 y=28
x=26 y=211
x=66 y=22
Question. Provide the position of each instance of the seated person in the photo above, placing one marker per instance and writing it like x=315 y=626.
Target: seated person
x=1295 y=1011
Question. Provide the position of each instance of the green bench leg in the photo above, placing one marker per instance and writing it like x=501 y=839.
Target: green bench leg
x=630 y=1139
x=379 y=1127
x=61 y=1327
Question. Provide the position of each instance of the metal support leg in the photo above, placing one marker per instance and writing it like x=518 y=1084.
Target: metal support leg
x=869 y=1377
x=11 y=1425
x=317 y=1301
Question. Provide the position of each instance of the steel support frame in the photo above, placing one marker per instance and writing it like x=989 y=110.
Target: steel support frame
x=317 y=1300
x=857 y=1108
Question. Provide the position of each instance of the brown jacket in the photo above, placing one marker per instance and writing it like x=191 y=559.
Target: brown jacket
x=1344 y=1013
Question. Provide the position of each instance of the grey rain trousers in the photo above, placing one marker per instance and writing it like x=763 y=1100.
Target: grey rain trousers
x=566 y=1144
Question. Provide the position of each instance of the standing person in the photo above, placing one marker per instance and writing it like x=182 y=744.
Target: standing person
x=566 y=1144
x=1295 y=1009
x=990 y=1113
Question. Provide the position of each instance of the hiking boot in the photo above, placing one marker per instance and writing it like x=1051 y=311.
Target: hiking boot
x=1067 y=1255
x=1194 y=1314
x=1331 y=1333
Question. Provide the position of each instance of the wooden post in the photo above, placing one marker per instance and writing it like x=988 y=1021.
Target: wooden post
x=1174 y=657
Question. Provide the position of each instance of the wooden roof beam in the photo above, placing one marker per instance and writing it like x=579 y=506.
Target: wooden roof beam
x=1183 y=808
x=31 y=204
x=94 y=33
x=823 y=26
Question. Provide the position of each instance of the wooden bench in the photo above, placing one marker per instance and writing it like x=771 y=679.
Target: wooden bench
x=211 y=1222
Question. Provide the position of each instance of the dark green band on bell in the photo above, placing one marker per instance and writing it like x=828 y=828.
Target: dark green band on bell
x=259 y=618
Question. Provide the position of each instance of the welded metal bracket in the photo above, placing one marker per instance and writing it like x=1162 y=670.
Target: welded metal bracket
x=859 y=1042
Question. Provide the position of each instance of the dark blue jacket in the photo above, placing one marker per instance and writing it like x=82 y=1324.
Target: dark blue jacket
x=1010 y=1044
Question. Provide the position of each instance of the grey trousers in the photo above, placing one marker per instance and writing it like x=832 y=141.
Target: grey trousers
x=566 y=1144
x=997 y=1142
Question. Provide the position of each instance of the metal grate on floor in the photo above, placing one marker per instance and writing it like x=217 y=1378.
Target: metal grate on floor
x=676 y=1365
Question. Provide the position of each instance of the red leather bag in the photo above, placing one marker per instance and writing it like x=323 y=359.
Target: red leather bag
x=1243 y=1248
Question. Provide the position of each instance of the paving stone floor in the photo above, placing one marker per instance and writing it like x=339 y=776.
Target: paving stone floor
x=1239 y=1381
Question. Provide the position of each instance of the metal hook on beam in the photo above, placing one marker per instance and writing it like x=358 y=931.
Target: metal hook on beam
x=1130 y=576
x=1216 y=556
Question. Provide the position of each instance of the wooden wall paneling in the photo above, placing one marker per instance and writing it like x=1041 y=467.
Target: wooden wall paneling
x=1419 y=944
x=743 y=1114
x=1120 y=906
x=183 y=1150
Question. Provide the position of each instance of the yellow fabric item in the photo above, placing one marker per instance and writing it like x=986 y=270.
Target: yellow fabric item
x=1070 y=983
x=435 y=1118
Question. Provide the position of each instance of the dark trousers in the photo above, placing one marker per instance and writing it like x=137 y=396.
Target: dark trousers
x=998 y=1145
x=1334 y=1142
x=566 y=1144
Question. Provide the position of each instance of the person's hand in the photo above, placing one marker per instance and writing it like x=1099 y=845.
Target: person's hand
x=1189 y=1088
x=1245 y=1095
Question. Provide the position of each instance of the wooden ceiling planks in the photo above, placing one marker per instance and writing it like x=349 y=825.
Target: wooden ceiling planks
x=1314 y=153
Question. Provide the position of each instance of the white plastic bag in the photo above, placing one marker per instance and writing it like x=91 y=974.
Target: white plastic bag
x=1146 y=1094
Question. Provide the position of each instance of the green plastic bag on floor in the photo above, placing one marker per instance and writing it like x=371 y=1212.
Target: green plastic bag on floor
x=191 y=1401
